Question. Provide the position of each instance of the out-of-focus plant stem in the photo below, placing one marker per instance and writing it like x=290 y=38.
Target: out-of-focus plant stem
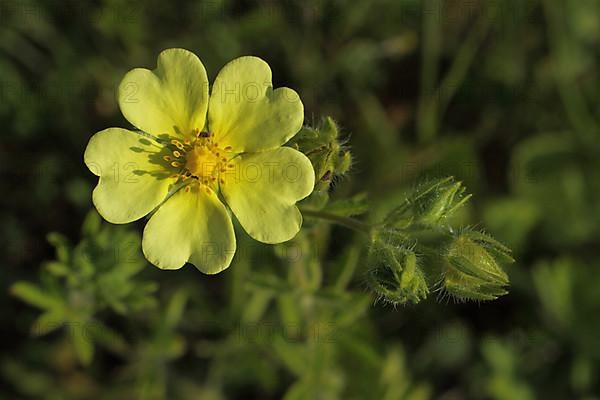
x=569 y=91
x=434 y=100
x=348 y=222
x=427 y=123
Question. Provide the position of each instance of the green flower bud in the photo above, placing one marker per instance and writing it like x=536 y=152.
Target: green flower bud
x=471 y=269
x=325 y=150
x=394 y=274
x=429 y=204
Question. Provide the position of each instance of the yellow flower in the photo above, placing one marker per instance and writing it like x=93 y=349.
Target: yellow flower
x=196 y=159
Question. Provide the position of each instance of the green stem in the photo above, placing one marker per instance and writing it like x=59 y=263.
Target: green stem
x=430 y=58
x=461 y=64
x=562 y=46
x=347 y=222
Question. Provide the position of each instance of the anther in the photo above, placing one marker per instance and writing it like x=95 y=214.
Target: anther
x=177 y=144
x=177 y=154
x=175 y=164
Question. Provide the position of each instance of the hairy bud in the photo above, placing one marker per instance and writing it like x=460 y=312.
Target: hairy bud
x=429 y=204
x=471 y=269
x=394 y=274
x=328 y=154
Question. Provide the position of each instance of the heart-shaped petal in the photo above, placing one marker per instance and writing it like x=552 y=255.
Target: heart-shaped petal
x=191 y=226
x=131 y=184
x=262 y=191
x=246 y=114
x=171 y=100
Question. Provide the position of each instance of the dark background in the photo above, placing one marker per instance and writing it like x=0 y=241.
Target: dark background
x=501 y=94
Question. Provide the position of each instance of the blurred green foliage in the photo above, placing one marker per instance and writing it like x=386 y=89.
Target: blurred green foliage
x=500 y=94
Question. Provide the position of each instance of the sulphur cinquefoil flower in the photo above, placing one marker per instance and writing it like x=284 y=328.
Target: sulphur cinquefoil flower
x=197 y=159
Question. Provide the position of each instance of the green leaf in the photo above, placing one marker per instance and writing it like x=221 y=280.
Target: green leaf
x=91 y=224
x=293 y=355
x=57 y=268
x=61 y=245
x=50 y=321
x=175 y=309
x=84 y=348
x=35 y=296
x=350 y=207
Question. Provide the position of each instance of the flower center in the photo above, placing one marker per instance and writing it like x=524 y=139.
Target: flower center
x=200 y=159
x=203 y=162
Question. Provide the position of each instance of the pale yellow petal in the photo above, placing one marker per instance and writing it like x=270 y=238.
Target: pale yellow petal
x=191 y=226
x=263 y=189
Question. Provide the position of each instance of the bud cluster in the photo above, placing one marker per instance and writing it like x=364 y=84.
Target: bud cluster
x=328 y=154
x=413 y=251
x=394 y=274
